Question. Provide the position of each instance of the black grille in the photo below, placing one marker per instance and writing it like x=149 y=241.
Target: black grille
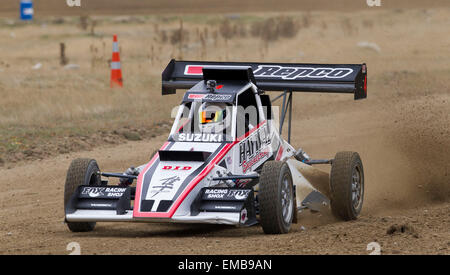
x=146 y=205
x=164 y=206
x=171 y=155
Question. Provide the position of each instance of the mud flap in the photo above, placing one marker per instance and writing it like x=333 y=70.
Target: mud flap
x=315 y=202
x=100 y=198
x=295 y=218
x=233 y=200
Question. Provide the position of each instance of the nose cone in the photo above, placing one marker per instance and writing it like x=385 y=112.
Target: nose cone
x=167 y=183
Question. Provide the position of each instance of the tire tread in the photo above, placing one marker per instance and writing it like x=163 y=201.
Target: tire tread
x=76 y=176
x=269 y=200
x=340 y=178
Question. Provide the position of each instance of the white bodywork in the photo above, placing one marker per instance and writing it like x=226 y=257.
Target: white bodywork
x=179 y=182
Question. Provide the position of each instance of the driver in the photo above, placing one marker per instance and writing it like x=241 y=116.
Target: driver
x=213 y=118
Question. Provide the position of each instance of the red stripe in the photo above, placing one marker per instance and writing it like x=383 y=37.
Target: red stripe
x=251 y=131
x=280 y=153
x=194 y=69
x=137 y=198
x=184 y=124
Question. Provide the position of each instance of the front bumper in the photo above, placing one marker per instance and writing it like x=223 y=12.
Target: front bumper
x=232 y=218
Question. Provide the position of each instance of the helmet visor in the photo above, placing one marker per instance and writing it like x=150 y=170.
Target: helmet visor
x=211 y=116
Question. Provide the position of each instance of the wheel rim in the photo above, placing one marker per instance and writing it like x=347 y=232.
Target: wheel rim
x=286 y=200
x=357 y=188
x=94 y=179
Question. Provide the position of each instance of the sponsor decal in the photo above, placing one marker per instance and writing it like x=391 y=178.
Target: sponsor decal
x=165 y=186
x=217 y=97
x=115 y=192
x=200 y=137
x=210 y=97
x=292 y=73
x=215 y=193
x=251 y=149
x=196 y=96
x=249 y=164
x=227 y=194
x=181 y=168
x=288 y=73
x=94 y=192
x=238 y=194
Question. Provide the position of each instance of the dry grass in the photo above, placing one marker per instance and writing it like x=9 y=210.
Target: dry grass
x=38 y=105
x=274 y=28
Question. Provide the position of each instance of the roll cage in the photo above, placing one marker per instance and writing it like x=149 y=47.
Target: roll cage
x=246 y=102
x=284 y=77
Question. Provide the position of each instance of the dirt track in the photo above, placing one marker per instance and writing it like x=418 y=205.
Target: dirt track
x=34 y=221
x=401 y=132
x=395 y=196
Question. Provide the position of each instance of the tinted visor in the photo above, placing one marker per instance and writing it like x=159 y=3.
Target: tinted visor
x=211 y=116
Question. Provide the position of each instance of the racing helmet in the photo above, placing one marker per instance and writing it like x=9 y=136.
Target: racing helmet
x=213 y=117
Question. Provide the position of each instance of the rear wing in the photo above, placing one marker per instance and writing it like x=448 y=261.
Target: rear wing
x=327 y=78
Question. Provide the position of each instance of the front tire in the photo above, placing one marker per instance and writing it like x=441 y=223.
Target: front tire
x=276 y=198
x=347 y=185
x=81 y=171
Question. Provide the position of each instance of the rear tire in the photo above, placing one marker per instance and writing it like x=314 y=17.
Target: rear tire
x=276 y=198
x=81 y=171
x=347 y=185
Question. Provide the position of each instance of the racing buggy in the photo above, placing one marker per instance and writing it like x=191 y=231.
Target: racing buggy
x=224 y=161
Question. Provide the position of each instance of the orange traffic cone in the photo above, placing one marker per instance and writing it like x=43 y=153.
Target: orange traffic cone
x=116 y=71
